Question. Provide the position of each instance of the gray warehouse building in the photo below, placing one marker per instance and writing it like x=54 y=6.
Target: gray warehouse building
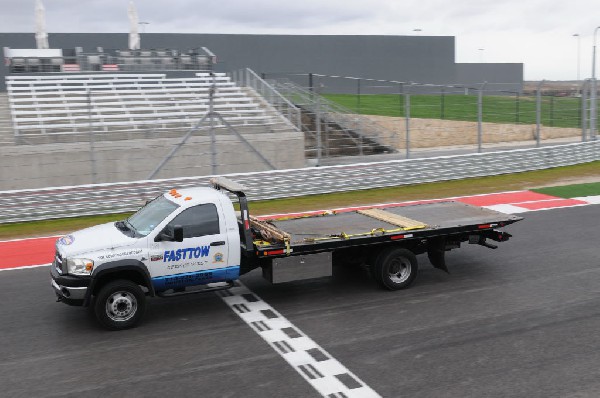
x=420 y=59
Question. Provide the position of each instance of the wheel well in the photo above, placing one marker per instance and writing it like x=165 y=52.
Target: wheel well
x=134 y=276
x=412 y=245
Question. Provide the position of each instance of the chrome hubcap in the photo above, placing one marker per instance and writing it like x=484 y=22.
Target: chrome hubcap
x=399 y=270
x=121 y=306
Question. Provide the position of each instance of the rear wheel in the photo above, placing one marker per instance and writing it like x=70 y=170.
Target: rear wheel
x=120 y=305
x=395 y=268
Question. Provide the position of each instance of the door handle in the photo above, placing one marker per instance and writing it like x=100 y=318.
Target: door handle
x=219 y=243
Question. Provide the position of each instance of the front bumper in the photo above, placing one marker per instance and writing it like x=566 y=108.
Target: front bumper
x=69 y=289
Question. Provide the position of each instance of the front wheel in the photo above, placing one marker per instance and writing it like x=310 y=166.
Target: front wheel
x=395 y=268
x=120 y=305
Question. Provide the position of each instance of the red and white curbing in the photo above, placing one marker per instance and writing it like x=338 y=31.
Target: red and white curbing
x=21 y=253
x=541 y=202
x=506 y=202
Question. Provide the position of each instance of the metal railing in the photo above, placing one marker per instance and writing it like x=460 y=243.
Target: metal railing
x=331 y=129
x=248 y=78
x=359 y=129
x=60 y=202
x=422 y=115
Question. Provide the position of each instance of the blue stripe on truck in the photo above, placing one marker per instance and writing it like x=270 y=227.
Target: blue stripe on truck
x=166 y=282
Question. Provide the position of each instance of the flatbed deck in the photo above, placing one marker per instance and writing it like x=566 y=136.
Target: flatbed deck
x=310 y=233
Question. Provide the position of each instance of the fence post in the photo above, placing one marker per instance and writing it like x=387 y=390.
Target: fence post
x=407 y=118
x=400 y=106
x=518 y=108
x=357 y=95
x=552 y=111
x=92 y=138
x=213 y=137
x=318 y=122
x=538 y=112
x=584 y=92
x=361 y=137
x=593 y=106
x=480 y=116
x=443 y=103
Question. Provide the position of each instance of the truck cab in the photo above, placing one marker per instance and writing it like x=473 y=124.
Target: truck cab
x=181 y=238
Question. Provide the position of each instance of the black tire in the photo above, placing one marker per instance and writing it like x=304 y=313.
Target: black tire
x=120 y=305
x=395 y=268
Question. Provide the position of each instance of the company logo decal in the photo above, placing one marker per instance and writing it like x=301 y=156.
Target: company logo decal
x=156 y=257
x=66 y=240
x=218 y=258
x=121 y=254
x=188 y=253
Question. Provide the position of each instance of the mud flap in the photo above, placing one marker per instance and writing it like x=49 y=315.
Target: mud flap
x=436 y=253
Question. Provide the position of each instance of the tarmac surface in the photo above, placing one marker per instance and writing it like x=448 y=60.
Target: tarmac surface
x=519 y=321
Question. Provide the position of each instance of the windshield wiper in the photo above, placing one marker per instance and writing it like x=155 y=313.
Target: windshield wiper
x=121 y=226
x=126 y=227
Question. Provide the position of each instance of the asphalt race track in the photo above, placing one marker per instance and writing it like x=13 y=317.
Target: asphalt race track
x=519 y=321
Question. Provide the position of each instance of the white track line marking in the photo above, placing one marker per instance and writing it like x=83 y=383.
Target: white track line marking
x=325 y=373
x=514 y=208
x=541 y=201
x=507 y=209
x=25 y=267
x=590 y=199
x=32 y=238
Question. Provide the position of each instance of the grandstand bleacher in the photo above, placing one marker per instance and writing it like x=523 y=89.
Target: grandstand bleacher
x=113 y=106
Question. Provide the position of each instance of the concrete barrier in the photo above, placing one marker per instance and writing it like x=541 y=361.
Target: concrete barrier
x=38 y=166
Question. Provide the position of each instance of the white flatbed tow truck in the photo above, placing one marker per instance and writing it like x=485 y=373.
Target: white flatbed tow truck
x=193 y=240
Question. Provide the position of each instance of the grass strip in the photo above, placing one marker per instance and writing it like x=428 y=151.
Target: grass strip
x=54 y=227
x=572 y=191
x=507 y=109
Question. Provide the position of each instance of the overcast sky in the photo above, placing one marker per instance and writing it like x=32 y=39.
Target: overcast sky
x=538 y=33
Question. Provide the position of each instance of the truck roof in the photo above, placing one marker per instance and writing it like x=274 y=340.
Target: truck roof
x=192 y=196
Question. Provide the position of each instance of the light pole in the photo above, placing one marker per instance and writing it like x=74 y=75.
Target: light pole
x=578 y=55
x=143 y=25
x=594 y=90
x=481 y=50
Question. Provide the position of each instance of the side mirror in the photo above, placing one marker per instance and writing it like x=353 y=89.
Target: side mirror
x=170 y=235
x=178 y=233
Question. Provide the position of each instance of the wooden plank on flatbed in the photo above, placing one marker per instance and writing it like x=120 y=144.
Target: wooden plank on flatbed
x=269 y=231
x=395 y=219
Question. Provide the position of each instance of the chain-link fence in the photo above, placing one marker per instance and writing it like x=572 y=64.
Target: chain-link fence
x=419 y=116
x=123 y=131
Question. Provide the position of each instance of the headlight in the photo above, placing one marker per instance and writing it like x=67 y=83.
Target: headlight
x=79 y=266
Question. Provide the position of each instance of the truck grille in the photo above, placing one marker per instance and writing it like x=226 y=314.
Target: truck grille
x=58 y=262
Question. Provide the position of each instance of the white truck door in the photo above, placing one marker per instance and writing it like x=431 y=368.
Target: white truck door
x=202 y=256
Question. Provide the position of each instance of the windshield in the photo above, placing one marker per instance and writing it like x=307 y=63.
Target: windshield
x=148 y=217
